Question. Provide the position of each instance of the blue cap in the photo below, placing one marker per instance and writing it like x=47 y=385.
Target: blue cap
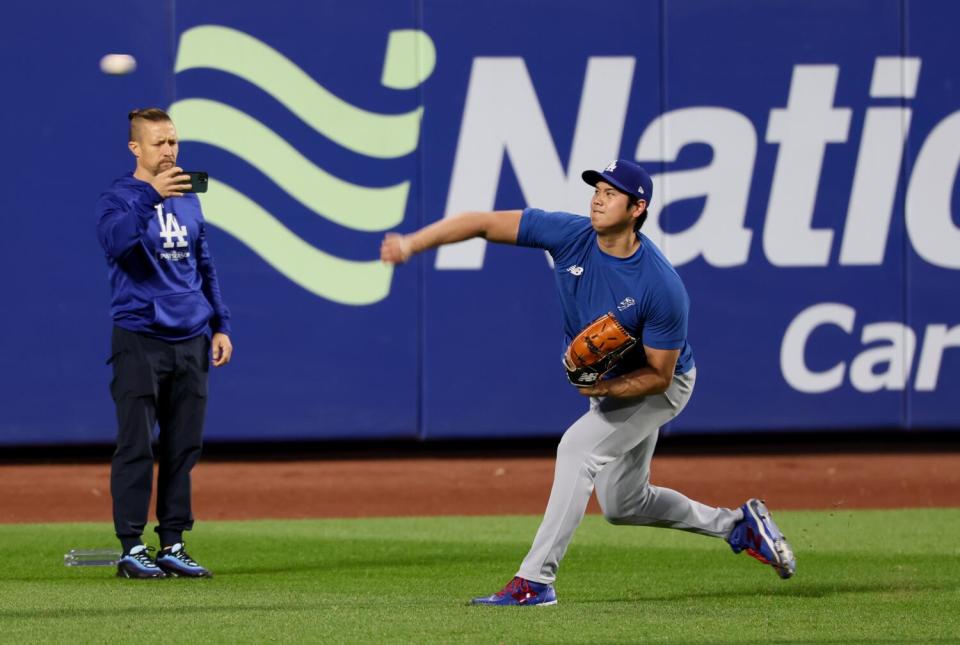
x=626 y=176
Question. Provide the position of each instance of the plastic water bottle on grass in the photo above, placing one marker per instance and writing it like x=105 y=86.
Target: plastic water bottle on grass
x=91 y=557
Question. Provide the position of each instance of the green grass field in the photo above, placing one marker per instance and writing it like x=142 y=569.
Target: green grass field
x=862 y=576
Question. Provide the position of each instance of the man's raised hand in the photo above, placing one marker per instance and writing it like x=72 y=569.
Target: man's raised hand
x=171 y=182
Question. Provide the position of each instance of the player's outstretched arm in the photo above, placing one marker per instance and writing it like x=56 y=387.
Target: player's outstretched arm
x=494 y=226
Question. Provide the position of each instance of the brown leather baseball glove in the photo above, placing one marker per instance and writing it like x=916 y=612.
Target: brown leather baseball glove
x=596 y=349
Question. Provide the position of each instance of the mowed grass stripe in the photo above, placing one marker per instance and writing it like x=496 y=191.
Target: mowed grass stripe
x=862 y=576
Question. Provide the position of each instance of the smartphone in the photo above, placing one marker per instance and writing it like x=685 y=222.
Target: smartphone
x=198 y=181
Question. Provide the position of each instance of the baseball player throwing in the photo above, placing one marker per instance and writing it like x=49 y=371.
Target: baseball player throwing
x=625 y=320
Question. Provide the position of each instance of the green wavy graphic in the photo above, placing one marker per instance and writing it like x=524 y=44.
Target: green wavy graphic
x=351 y=206
x=410 y=58
x=368 y=133
x=345 y=281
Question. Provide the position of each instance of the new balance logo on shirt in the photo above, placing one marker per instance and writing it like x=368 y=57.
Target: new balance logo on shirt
x=573 y=269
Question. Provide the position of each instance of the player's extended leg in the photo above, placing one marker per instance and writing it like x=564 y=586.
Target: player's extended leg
x=607 y=431
x=627 y=497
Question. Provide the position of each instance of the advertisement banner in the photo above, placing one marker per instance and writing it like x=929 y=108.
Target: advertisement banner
x=804 y=159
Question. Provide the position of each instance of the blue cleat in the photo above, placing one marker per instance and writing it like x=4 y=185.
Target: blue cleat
x=757 y=534
x=175 y=562
x=137 y=563
x=521 y=591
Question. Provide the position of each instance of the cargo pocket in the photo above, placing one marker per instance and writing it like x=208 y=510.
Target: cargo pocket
x=181 y=313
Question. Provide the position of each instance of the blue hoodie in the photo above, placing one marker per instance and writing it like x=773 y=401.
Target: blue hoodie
x=162 y=277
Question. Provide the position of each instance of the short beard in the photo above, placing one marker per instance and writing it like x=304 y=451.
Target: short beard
x=159 y=167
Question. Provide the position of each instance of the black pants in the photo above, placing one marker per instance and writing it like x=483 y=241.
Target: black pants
x=156 y=382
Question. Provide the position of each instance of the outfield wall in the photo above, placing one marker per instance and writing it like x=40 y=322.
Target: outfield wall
x=804 y=156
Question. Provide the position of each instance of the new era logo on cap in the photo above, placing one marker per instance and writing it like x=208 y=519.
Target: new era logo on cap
x=623 y=173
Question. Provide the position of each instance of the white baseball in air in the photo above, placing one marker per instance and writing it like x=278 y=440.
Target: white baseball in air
x=118 y=64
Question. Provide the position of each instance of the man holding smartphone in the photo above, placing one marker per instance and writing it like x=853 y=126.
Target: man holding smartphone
x=165 y=303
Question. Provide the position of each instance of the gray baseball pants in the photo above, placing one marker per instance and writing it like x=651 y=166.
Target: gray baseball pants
x=609 y=448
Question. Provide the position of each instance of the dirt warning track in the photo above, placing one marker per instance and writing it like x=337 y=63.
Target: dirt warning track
x=485 y=486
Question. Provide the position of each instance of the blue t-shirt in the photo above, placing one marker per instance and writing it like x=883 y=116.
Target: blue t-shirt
x=643 y=291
